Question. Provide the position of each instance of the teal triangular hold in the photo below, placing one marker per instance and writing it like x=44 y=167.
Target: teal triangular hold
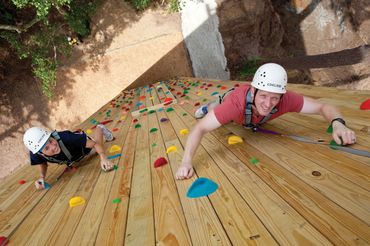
x=214 y=93
x=201 y=187
x=47 y=186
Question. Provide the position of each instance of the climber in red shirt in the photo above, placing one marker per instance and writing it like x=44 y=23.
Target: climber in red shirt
x=264 y=100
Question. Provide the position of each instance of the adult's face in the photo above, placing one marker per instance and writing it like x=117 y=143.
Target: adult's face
x=266 y=101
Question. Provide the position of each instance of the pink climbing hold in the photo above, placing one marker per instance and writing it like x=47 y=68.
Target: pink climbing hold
x=160 y=162
x=365 y=105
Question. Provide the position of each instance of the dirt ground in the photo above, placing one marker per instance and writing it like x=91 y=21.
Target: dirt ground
x=125 y=48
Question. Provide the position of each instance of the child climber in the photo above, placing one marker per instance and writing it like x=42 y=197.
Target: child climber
x=64 y=147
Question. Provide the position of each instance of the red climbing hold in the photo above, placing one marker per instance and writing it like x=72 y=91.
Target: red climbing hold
x=22 y=181
x=142 y=98
x=160 y=162
x=3 y=241
x=365 y=105
x=196 y=104
x=135 y=120
x=168 y=99
x=236 y=85
x=223 y=88
x=115 y=129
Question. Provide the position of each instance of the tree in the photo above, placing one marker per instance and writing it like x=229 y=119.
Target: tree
x=38 y=30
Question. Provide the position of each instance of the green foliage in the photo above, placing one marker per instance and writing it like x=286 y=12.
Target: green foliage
x=46 y=41
x=250 y=67
x=140 y=4
x=78 y=17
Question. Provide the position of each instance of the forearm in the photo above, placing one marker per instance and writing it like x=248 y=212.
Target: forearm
x=191 y=145
x=43 y=170
x=330 y=112
x=99 y=149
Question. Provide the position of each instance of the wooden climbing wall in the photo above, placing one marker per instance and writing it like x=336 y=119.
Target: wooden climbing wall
x=272 y=189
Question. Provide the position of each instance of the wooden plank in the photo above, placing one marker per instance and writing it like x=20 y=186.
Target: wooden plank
x=140 y=222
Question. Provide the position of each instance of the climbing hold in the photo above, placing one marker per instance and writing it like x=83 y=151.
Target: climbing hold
x=151 y=111
x=168 y=99
x=88 y=131
x=184 y=131
x=135 y=120
x=330 y=129
x=153 y=130
x=115 y=129
x=254 y=160
x=234 y=140
x=169 y=109
x=139 y=104
x=199 y=93
x=196 y=104
x=114 y=148
x=115 y=167
x=160 y=162
x=123 y=117
x=113 y=156
x=333 y=144
x=22 y=181
x=117 y=200
x=76 y=201
x=236 y=85
x=137 y=126
x=218 y=86
x=171 y=149
x=201 y=187
x=151 y=98
x=142 y=97
x=4 y=241
x=143 y=110
x=163 y=120
x=184 y=114
x=47 y=186
x=204 y=100
x=223 y=88
x=154 y=145
x=365 y=105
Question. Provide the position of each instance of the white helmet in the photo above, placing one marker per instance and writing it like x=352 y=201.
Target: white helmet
x=35 y=138
x=270 y=77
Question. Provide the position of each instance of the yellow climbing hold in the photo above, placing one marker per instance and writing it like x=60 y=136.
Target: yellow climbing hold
x=76 y=201
x=88 y=131
x=234 y=140
x=199 y=93
x=114 y=148
x=184 y=131
x=171 y=149
x=151 y=98
x=123 y=117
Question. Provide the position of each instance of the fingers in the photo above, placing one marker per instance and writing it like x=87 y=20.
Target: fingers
x=346 y=135
x=184 y=173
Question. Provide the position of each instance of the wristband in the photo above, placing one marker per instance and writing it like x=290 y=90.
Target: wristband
x=339 y=120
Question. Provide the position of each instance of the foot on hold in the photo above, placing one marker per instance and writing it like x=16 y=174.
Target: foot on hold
x=107 y=134
x=201 y=112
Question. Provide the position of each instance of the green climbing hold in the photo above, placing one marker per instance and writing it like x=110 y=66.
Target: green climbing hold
x=333 y=144
x=184 y=114
x=137 y=126
x=153 y=130
x=169 y=109
x=204 y=100
x=254 y=160
x=143 y=110
x=154 y=145
x=330 y=129
x=151 y=111
x=115 y=167
x=117 y=200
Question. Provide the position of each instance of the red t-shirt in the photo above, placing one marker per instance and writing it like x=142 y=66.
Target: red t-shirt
x=233 y=106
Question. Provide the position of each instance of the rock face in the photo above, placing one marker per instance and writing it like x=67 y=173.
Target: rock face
x=293 y=28
x=249 y=29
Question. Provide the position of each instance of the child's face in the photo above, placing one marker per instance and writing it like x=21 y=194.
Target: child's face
x=51 y=147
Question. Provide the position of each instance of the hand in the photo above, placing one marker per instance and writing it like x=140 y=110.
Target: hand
x=185 y=171
x=341 y=131
x=106 y=165
x=40 y=184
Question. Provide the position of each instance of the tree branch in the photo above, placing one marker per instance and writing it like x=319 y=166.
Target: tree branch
x=20 y=29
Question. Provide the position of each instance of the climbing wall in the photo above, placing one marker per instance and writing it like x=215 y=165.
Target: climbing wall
x=263 y=187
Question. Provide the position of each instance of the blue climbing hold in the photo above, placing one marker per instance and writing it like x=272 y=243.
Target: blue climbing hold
x=139 y=104
x=201 y=187
x=113 y=156
x=47 y=186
